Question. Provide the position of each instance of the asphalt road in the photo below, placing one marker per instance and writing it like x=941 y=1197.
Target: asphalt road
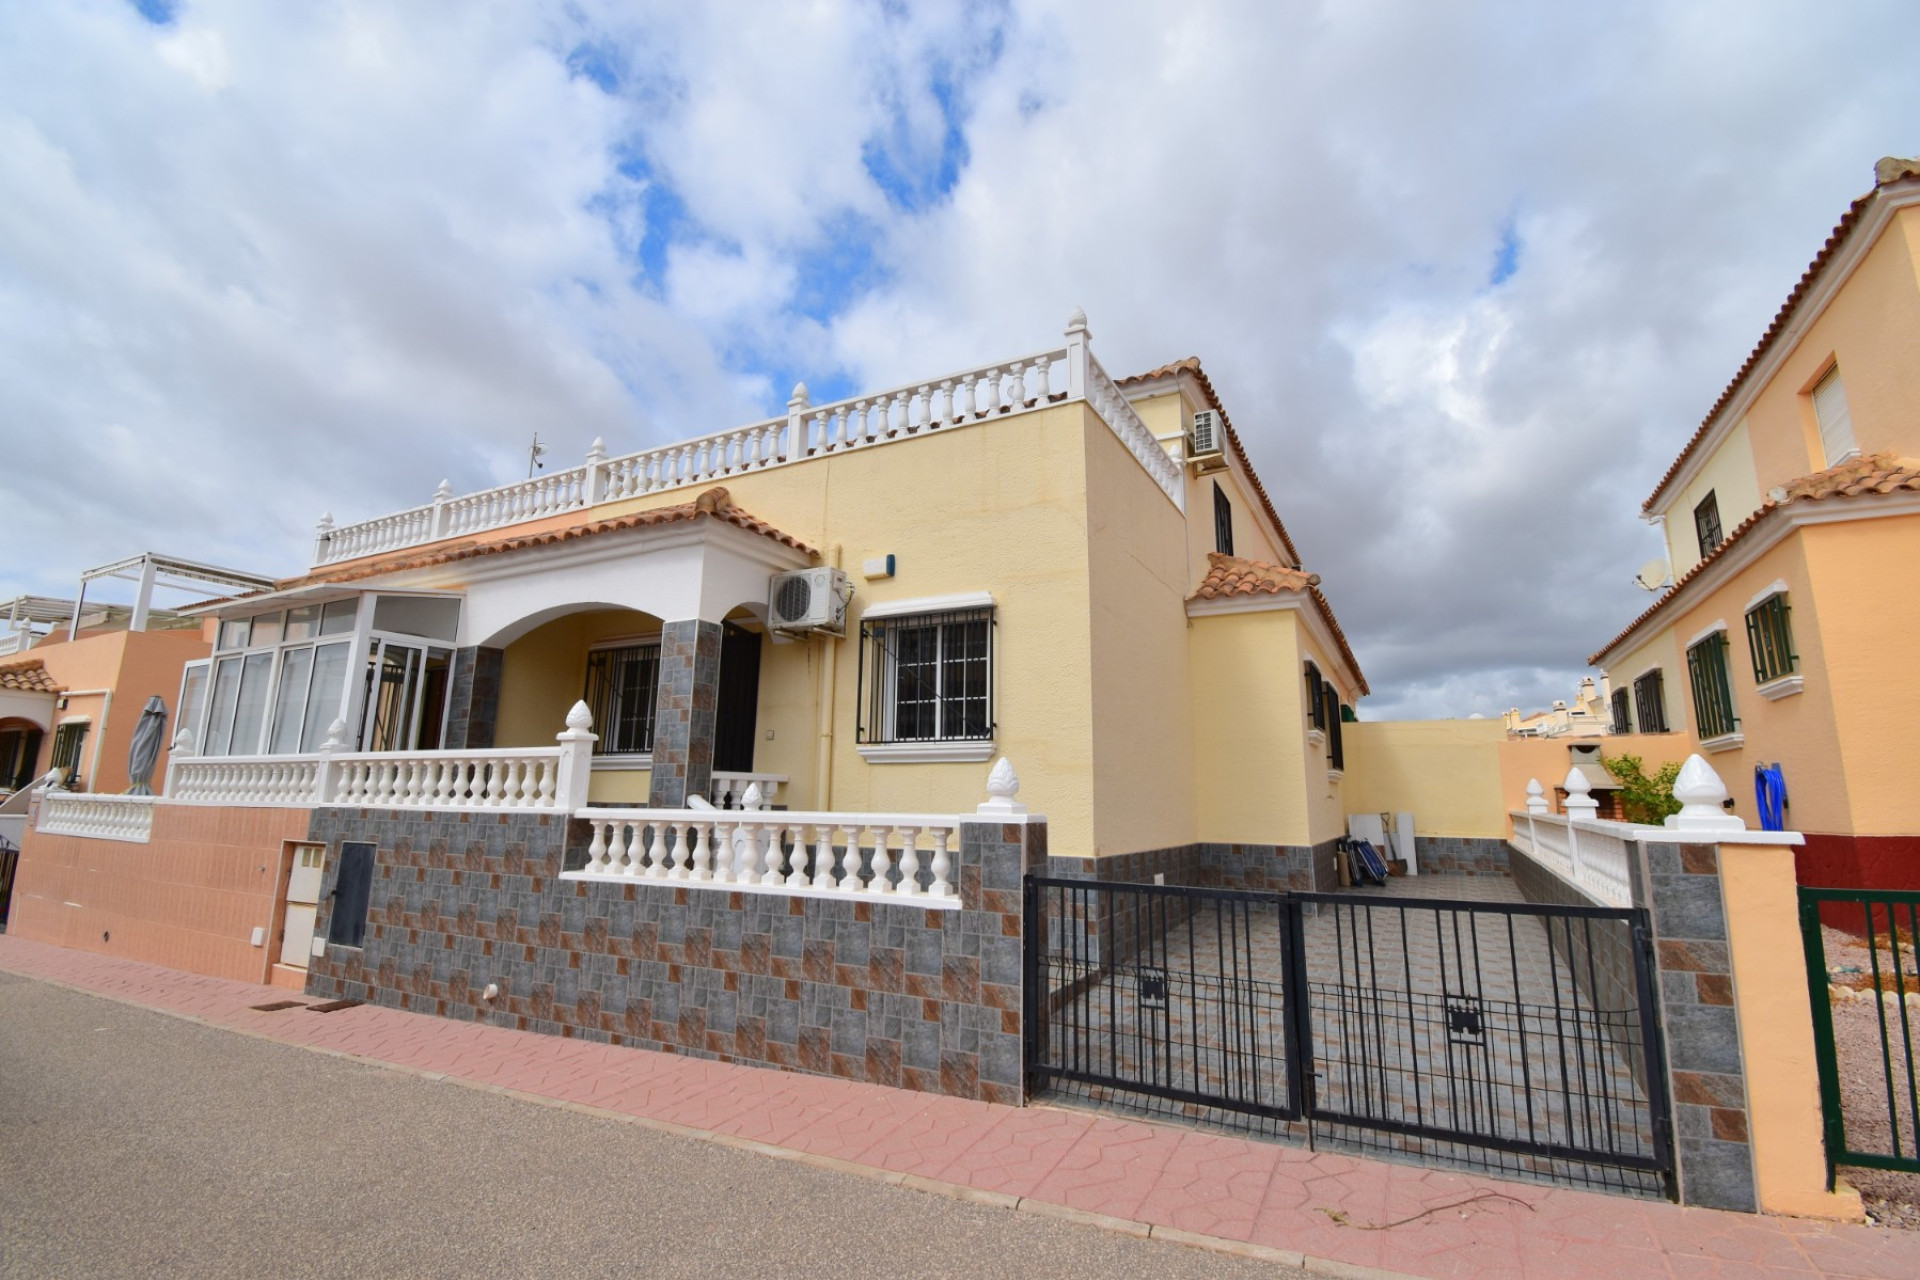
x=136 y=1144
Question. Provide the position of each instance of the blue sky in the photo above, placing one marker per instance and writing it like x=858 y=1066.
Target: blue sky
x=1466 y=275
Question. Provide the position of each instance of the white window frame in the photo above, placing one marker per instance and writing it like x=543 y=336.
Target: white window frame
x=878 y=703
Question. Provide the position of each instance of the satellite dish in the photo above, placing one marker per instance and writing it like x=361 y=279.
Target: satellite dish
x=1654 y=575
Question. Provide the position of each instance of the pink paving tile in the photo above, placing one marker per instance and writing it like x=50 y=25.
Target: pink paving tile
x=1017 y=1151
x=1111 y=1168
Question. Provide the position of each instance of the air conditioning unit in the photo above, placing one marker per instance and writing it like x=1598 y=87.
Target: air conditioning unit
x=808 y=600
x=1206 y=445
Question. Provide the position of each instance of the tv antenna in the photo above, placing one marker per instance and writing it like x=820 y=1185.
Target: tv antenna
x=534 y=452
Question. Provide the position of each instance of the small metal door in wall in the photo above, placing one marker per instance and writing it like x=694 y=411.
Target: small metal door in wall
x=303 y=901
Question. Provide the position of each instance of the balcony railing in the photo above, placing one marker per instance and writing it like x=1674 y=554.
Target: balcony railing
x=1592 y=856
x=96 y=817
x=807 y=431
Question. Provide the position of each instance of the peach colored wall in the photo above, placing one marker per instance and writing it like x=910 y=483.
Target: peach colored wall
x=135 y=665
x=1776 y=1033
x=190 y=899
x=1863 y=656
x=1329 y=798
x=1872 y=328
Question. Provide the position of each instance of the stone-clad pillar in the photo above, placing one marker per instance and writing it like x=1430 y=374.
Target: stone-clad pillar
x=685 y=712
x=473 y=698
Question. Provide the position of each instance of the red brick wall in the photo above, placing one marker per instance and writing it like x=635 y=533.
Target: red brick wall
x=1858 y=862
x=189 y=900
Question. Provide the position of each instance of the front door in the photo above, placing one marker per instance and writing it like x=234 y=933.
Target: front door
x=303 y=901
x=739 y=700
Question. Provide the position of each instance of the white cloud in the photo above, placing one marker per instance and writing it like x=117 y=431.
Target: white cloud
x=271 y=260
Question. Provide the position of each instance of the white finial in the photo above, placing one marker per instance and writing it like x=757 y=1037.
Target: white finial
x=1580 y=804
x=1536 y=796
x=326 y=521
x=799 y=396
x=444 y=492
x=1003 y=784
x=337 y=733
x=1700 y=793
x=580 y=719
x=754 y=798
x=597 y=451
x=183 y=743
x=1077 y=322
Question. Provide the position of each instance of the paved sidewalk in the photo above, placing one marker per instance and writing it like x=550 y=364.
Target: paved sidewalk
x=1331 y=1212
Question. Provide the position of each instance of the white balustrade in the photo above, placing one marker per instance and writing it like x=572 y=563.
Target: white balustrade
x=244 y=780
x=729 y=790
x=882 y=857
x=807 y=431
x=1592 y=856
x=96 y=817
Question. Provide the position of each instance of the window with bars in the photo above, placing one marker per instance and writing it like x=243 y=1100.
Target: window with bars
x=1650 y=702
x=927 y=677
x=1336 y=748
x=67 y=742
x=1222 y=521
x=1770 y=639
x=621 y=684
x=1316 y=698
x=1706 y=525
x=1622 y=712
x=1712 y=689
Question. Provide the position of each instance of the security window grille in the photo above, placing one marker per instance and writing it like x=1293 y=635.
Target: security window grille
x=1650 y=702
x=1770 y=638
x=1316 y=699
x=1712 y=690
x=1622 y=715
x=1222 y=521
x=67 y=741
x=1706 y=525
x=927 y=678
x=620 y=692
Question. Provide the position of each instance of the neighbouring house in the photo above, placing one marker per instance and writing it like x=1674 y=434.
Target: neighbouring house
x=1585 y=717
x=828 y=624
x=1792 y=522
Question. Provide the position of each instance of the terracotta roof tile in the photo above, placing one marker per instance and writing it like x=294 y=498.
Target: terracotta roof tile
x=714 y=504
x=28 y=677
x=1887 y=172
x=1856 y=478
x=1192 y=365
x=1229 y=577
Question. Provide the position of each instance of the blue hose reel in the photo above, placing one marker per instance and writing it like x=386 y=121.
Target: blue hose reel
x=1770 y=792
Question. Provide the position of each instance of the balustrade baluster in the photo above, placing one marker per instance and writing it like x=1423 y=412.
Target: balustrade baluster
x=822 y=856
x=945 y=416
x=849 y=859
x=679 y=857
x=746 y=853
x=963 y=400
x=656 y=864
x=797 y=877
x=910 y=861
x=597 y=848
x=882 y=861
x=942 y=867
x=1017 y=389
x=774 y=864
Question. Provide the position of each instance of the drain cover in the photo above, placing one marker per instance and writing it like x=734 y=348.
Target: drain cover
x=277 y=1006
x=333 y=1006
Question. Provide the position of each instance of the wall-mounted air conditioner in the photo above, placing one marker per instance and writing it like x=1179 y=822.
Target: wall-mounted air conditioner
x=808 y=600
x=1206 y=443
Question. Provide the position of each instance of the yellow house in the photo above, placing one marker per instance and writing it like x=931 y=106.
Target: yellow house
x=854 y=607
x=1792 y=522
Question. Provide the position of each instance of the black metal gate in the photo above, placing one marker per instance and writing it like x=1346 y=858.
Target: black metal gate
x=1512 y=1035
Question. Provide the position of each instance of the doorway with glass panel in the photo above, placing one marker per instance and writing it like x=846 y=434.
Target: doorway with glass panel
x=405 y=697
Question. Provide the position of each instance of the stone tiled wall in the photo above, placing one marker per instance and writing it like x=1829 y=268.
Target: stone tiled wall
x=685 y=712
x=1680 y=885
x=1265 y=868
x=473 y=700
x=895 y=995
x=1460 y=855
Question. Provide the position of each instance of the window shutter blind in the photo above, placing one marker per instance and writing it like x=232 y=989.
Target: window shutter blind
x=1836 y=422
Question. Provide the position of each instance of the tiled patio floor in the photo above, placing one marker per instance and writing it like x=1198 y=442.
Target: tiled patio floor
x=1147 y=1178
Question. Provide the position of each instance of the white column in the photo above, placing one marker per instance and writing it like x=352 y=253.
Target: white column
x=595 y=489
x=143 y=597
x=576 y=759
x=797 y=405
x=440 y=496
x=1078 y=337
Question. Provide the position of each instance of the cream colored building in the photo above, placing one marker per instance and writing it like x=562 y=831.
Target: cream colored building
x=1033 y=560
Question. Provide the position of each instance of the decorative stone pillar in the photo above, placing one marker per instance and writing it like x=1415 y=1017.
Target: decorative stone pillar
x=685 y=712
x=473 y=698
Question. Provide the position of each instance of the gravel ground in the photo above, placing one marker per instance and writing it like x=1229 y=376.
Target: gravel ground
x=135 y=1144
x=1891 y=1198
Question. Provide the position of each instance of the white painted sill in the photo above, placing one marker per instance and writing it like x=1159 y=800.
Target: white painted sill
x=1334 y=775
x=616 y=764
x=1725 y=742
x=1784 y=687
x=926 y=752
x=1316 y=737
